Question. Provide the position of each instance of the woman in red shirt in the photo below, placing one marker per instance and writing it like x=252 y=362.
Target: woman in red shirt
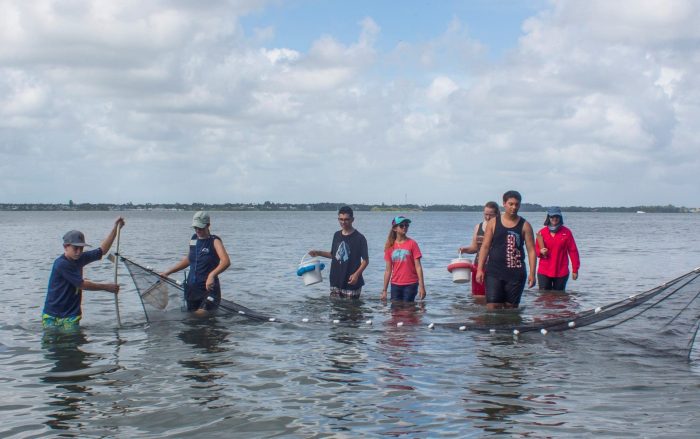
x=555 y=246
x=403 y=267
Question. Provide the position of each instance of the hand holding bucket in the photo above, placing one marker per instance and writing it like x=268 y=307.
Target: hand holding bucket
x=461 y=269
x=310 y=270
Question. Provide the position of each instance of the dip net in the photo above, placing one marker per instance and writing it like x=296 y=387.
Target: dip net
x=162 y=298
x=665 y=318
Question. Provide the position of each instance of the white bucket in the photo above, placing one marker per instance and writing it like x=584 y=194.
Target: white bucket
x=460 y=275
x=312 y=276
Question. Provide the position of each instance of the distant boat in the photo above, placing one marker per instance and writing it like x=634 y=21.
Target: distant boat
x=641 y=211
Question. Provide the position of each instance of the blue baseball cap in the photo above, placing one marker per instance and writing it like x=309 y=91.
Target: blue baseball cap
x=398 y=220
x=554 y=211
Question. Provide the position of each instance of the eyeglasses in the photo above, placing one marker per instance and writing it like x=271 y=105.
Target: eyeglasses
x=403 y=225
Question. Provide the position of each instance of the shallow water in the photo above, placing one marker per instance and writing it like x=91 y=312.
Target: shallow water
x=229 y=376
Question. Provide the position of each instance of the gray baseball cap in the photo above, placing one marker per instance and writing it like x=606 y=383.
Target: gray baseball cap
x=200 y=219
x=75 y=238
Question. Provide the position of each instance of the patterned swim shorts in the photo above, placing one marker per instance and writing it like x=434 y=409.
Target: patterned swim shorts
x=62 y=322
x=351 y=294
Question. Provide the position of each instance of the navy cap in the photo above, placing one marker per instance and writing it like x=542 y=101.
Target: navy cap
x=554 y=211
x=75 y=238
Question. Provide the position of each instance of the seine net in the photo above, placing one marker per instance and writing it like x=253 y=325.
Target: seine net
x=665 y=318
x=162 y=297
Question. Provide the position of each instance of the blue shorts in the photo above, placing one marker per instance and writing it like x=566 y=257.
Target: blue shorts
x=504 y=291
x=405 y=293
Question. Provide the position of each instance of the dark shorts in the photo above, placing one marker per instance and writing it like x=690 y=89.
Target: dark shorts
x=504 y=291
x=552 y=283
x=209 y=302
x=405 y=293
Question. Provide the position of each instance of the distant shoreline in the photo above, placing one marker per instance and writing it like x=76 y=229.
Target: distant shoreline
x=318 y=207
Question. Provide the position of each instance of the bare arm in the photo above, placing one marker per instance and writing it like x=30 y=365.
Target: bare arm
x=421 y=283
x=485 y=247
x=107 y=242
x=387 y=277
x=224 y=263
x=474 y=246
x=94 y=286
x=355 y=277
x=184 y=263
x=323 y=253
x=531 y=255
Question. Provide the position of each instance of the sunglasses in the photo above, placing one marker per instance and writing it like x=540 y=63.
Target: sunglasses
x=199 y=228
x=403 y=225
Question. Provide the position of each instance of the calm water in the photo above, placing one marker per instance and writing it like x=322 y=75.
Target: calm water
x=228 y=377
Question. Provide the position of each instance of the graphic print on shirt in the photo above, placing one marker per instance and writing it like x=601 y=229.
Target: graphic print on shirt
x=343 y=253
x=513 y=256
x=400 y=255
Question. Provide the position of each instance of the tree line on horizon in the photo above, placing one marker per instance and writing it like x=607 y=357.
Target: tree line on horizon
x=319 y=207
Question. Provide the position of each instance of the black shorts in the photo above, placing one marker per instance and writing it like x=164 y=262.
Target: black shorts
x=504 y=291
x=552 y=283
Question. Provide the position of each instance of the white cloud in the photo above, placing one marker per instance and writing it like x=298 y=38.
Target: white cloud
x=596 y=105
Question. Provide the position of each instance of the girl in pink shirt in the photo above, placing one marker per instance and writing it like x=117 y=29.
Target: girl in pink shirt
x=403 y=267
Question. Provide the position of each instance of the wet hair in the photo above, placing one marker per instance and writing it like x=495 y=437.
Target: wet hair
x=493 y=205
x=347 y=210
x=512 y=194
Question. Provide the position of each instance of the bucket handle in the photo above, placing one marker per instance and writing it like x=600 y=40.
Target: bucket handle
x=304 y=257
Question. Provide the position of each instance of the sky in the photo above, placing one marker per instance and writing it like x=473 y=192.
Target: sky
x=585 y=103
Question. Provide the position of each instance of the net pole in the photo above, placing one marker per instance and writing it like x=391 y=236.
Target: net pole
x=116 y=272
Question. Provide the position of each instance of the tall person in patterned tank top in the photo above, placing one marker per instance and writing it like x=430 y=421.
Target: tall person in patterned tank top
x=207 y=259
x=490 y=211
x=502 y=257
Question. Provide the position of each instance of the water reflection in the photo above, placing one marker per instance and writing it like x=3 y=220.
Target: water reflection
x=347 y=355
x=63 y=349
x=495 y=398
x=209 y=337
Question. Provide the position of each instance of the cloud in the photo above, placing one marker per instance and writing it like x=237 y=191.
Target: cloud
x=595 y=105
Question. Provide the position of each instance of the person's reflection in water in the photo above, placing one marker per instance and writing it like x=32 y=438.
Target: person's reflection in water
x=398 y=341
x=350 y=352
x=499 y=396
x=62 y=347
x=553 y=304
x=210 y=338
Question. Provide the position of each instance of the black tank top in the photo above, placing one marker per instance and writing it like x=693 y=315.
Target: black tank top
x=506 y=259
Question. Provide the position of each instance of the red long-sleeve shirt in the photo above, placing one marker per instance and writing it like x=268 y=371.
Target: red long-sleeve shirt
x=561 y=247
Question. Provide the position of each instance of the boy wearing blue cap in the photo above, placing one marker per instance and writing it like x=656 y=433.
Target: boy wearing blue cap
x=64 y=294
x=502 y=256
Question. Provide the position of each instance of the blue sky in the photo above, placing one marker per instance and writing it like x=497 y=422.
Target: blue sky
x=573 y=103
x=298 y=23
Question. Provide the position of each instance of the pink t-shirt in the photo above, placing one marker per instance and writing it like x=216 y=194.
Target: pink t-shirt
x=402 y=257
